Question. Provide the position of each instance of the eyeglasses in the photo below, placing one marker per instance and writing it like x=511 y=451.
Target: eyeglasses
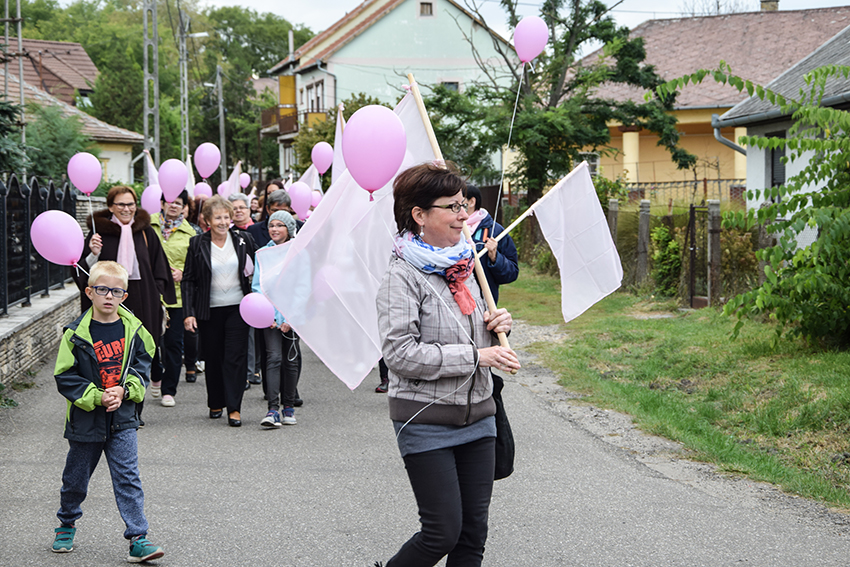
x=117 y=292
x=453 y=207
x=240 y=208
x=125 y=205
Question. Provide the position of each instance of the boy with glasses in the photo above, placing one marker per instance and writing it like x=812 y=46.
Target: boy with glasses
x=102 y=370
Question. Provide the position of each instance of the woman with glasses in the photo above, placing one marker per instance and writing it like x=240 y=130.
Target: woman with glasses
x=439 y=343
x=123 y=233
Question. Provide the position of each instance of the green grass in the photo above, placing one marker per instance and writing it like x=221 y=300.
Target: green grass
x=779 y=415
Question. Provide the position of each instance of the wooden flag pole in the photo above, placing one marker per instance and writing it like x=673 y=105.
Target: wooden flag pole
x=435 y=146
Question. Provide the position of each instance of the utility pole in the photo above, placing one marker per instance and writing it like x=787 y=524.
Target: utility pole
x=151 y=80
x=184 y=82
x=20 y=55
x=219 y=84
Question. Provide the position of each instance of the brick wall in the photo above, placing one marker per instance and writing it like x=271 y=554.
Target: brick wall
x=30 y=336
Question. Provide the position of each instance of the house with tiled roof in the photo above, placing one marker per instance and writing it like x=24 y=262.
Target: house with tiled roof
x=765 y=167
x=370 y=50
x=59 y=68
x=757 y=45
x=115 y=144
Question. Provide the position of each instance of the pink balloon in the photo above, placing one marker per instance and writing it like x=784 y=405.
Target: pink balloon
x=152 y=199
x=530 y=37
x=207 y=159
x=317 y=198
x=223 y=190
x=373 y=145
x=307 y=214
x=322 y=156
x=244 y=180
x=85 y=172
x=173 y=176
x=301 y=196
x=203 y=190
x=57 y=237
x=257 y=311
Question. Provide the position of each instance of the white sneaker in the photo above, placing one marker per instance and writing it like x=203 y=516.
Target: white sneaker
x=156 y=390
x=200 y=365
x=288 y=417
x=167 y=401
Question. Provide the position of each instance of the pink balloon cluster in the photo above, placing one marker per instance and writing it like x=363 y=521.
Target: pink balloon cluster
x=207 y=159
x=257 y=311
x=530 y=38
x=322 y=156
x=373 y=145
x=302 y=197
x=85 y=172
x=57 y=237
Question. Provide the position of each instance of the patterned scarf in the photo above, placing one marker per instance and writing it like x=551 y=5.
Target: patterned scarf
x=167 y=226
x=454 y=263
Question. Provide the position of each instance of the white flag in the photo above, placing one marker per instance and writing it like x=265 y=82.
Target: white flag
x=325 y=283
x=190 y=181
x=574 y=225
x=150 y=169
x=312 y=178
x=233 y=186
x=339 y=162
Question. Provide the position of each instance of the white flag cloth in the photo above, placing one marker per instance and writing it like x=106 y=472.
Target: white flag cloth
x=287 y=182
x=325 y=283
x=190 y=181
x=150 y=169
x=574 y=225
x=233 y=181
x=339 y=162
x=311 y=178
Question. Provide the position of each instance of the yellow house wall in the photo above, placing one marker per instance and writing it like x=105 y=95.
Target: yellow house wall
x=654 y=162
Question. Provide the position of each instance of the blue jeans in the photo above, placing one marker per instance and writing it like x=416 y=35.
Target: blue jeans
x=121 y=450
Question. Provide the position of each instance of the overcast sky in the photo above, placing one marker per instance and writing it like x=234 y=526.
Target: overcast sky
x=319 y=14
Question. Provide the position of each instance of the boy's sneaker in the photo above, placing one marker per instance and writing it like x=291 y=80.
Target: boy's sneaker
x=143 y=550
x=289 y=416
x=272 y=419
x=167 y=401
x=64 y=540
x=156 y=390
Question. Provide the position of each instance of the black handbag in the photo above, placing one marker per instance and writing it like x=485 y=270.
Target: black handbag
x=505 y=448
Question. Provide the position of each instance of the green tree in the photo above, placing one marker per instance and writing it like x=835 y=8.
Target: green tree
x=325 y=132
x=53 y=139
x=807 y=288
x=561 y=112
x=13 y=159
x=112 y=101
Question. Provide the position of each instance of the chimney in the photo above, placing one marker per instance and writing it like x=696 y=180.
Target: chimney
x=292 y=43
x=769 y=5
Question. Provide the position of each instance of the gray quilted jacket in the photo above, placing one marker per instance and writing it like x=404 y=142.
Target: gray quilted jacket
x=428 y=355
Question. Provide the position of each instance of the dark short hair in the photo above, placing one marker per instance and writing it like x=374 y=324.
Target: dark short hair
x=183 y=196
x=420 y=186
x=472 y=192
x=119 y=190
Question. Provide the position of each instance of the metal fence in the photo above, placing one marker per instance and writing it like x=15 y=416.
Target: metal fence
x=23 y=272
x=730 y=192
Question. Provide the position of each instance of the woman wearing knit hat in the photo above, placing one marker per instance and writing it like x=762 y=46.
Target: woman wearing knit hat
x=283 y=353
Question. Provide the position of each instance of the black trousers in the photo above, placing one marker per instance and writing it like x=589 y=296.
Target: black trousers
x=171 y=349
x=224 y=339
x=452 y=488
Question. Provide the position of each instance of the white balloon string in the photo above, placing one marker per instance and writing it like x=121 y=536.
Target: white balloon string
x=510 y=133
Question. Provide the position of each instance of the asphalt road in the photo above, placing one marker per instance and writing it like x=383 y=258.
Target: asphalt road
x=332 y=490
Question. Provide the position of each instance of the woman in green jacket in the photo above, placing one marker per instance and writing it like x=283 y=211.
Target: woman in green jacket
x=174 y=231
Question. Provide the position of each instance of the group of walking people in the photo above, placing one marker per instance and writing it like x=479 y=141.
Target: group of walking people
x=438 y=340
x=186 y=284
